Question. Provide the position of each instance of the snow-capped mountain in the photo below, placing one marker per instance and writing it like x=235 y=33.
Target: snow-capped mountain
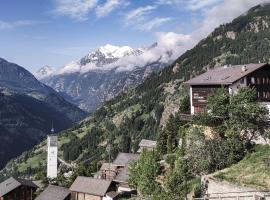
x=100 y=59
x=104 y=73
x=44 y=72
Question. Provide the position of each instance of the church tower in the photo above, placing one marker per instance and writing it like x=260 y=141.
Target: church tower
x=52 y=155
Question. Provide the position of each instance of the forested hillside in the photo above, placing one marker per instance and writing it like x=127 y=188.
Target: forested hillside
x=27 y=110
x=142 y=111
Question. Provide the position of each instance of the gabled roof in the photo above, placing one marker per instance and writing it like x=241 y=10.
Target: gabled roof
x=123 y=159
x=53 y=192
x=12 y=183
x=224 y=75
x=96 y=187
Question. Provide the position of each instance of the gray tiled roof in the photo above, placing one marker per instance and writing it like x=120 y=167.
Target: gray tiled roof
x=53 y=192
x=96 y=187
x=148 y=143
x=124 y=158
x=224 y=75
x=12 y=183
x=123 y=175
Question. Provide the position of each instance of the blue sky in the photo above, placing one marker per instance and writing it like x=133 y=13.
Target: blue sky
x=34 y=33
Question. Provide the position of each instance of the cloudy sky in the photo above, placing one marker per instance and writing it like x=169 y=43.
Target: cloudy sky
x=34 y=33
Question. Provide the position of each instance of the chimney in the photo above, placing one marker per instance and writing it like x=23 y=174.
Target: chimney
x=244 y=68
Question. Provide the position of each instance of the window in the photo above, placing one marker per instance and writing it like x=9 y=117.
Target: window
x=258 y=81
x=252 y=80
x=242 y=80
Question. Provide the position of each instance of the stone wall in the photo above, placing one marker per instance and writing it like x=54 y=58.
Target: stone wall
x=224 y=190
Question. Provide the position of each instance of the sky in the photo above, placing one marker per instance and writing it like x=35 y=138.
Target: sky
x=34 y=33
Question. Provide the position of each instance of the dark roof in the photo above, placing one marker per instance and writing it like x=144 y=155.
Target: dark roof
x=12 y=183
x=112 y=194
x=224 y=75
x=53 y=192
x=123 y=159
x=96 y=187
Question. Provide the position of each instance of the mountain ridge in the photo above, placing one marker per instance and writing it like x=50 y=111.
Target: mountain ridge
x=27 y=110
x=102 y=74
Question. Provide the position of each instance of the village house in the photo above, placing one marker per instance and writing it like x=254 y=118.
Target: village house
x=108 y=171
x=17 y=189
x=147 y=145
x=123 y=161
x=233 y=78
x=53 y=192
x=86 y=188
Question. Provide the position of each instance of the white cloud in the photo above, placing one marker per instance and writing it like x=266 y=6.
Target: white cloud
x=190 y=4
x=76 y=9
x=200 y=4
x=109 y=6
x=223 y=13
x=140 y=18
x=4 y=25
x=139 y=13
x=153 y=23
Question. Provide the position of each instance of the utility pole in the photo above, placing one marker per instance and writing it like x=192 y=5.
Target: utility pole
x=109 y=161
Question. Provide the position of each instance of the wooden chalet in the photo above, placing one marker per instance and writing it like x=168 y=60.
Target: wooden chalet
x=123 y=161
x=233 y=78
x=108 y=171
x=17 y=189
x=86 y=188
x=53 y=192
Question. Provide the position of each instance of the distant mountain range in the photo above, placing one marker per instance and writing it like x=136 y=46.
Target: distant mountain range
x=27 y=110
x=104 y=73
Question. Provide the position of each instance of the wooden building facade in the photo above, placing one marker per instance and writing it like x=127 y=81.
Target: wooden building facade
x=232 y=78
x=17 y=189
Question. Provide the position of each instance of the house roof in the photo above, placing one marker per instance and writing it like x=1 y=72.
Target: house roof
x=53 y=192
x=96 y=187
x=12 y=183
x=224 y=75
x=123 y=175
x=148 y=143
x=123 y=159
x=107 y=166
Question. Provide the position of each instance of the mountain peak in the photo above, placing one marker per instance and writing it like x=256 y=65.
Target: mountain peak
x=44 y=72
x=115 y=51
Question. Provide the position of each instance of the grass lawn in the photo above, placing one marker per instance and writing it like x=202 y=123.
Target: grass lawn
x=252 y=171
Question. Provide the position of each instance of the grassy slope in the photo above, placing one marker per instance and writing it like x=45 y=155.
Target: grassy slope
x=252 y=171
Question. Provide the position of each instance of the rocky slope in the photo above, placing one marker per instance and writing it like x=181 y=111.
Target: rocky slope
x=140 y=112
x=27 y=109
x=102 y=74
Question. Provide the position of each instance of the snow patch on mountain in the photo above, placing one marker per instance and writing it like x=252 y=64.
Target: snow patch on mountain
x=44 y=72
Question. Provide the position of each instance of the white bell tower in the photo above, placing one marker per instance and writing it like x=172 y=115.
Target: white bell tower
x=52 y=155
